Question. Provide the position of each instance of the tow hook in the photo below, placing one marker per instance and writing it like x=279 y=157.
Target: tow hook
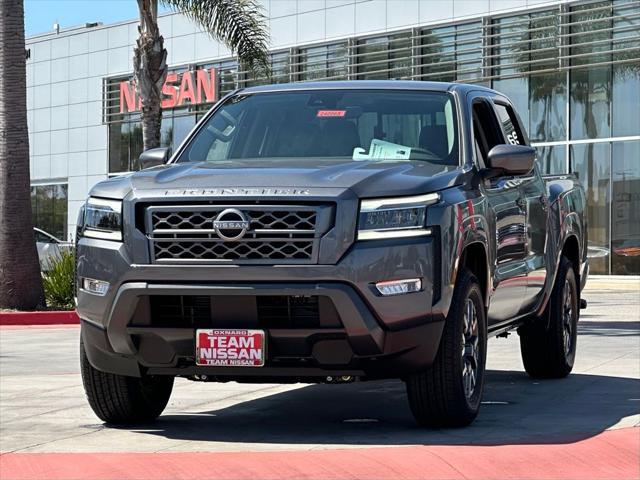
x=340 y=379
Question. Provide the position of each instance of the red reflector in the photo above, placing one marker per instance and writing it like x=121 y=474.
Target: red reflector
x=331 y=113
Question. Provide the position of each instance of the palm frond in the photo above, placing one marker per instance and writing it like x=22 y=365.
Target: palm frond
x=240 y=24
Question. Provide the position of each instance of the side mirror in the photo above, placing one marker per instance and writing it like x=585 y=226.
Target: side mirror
x=510 y=160
x=153 y=157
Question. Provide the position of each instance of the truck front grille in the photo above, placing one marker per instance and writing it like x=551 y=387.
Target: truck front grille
x=180 y=311
x=288 y=312
x=264 y=312
x=237 y=234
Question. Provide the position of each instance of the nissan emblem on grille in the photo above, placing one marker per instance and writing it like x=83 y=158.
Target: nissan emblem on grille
x=231 y=225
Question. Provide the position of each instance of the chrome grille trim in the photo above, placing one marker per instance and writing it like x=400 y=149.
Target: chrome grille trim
x=282 y=234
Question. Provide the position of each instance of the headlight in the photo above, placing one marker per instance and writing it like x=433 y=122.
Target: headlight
x=103 y=219
x=394 y=217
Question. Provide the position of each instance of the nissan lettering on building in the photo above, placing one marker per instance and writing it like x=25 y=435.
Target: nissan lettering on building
x=191 y=87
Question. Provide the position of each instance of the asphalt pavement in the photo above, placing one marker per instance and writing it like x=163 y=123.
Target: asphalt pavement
x=43 y=409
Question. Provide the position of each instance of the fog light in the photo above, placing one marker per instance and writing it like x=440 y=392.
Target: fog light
x=97 y=287
x=399 y=287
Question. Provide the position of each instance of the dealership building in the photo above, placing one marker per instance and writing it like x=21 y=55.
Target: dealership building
x=572 y=68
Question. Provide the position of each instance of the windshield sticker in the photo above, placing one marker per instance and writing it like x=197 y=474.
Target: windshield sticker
x=331 y=113
x=381 y=150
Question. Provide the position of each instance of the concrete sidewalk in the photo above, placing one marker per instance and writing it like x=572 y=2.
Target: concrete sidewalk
x=613 y=282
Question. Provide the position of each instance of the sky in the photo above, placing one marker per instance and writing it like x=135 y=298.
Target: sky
x=40 y=15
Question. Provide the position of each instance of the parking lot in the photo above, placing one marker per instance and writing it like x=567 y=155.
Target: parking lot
x=43 y=410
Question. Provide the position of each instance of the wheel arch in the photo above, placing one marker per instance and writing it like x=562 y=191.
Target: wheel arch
x=571 y=250
x=474 y=258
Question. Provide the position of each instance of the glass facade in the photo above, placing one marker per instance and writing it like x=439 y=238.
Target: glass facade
x=280 y=65
x=125 y=137
x=451 y=53
x=625 y=214
x=592 y=164
x=326 y=62
x=525 y=58
x=572 y=71
x=552 y=159
x=609 y=171
x=380 y=58
x=49 y=209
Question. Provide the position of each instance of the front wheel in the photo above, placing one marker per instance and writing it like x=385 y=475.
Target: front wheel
x=121 y=400
x=448 y=393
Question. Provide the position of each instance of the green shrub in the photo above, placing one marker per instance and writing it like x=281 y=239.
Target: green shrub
x=58 y=281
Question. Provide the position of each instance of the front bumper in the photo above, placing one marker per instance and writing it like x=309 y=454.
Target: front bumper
x=397 y=354
x=378 y=337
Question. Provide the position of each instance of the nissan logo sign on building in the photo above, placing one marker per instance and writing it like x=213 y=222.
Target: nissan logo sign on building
x=191 y=87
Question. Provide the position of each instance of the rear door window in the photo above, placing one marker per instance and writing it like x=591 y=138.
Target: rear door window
x=510 y=126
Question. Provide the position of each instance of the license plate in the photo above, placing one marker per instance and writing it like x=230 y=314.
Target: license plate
x=230 y=348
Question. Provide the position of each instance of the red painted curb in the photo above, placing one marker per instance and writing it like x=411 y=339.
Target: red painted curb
x=57 y=326
x=39 y=318
x=609 y=455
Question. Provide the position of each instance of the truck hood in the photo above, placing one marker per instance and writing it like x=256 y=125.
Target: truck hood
x=364 y=178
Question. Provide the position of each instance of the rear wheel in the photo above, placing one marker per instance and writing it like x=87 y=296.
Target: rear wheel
x=548 y=346
x=448 y=393
x=121 y=400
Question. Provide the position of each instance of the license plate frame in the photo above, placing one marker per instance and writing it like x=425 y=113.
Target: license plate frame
x=214 y=346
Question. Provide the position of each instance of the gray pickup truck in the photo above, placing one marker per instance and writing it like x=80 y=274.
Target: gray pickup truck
x=331 y=232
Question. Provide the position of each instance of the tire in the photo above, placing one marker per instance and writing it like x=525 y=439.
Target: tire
x=121 y=400
x=548 y=345
x=446 y=395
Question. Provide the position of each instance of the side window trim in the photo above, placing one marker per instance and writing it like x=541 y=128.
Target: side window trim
x=520 y=131
x=515 y=120
x=488 y=104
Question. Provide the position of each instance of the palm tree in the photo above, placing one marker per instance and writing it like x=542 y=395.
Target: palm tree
x=20 y=280
x=239 y=24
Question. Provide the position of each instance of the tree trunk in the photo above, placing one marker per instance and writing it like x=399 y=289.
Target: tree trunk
x=20 y=280
x=150 y=72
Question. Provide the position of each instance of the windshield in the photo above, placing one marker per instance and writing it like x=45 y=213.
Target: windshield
x=363 y=125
